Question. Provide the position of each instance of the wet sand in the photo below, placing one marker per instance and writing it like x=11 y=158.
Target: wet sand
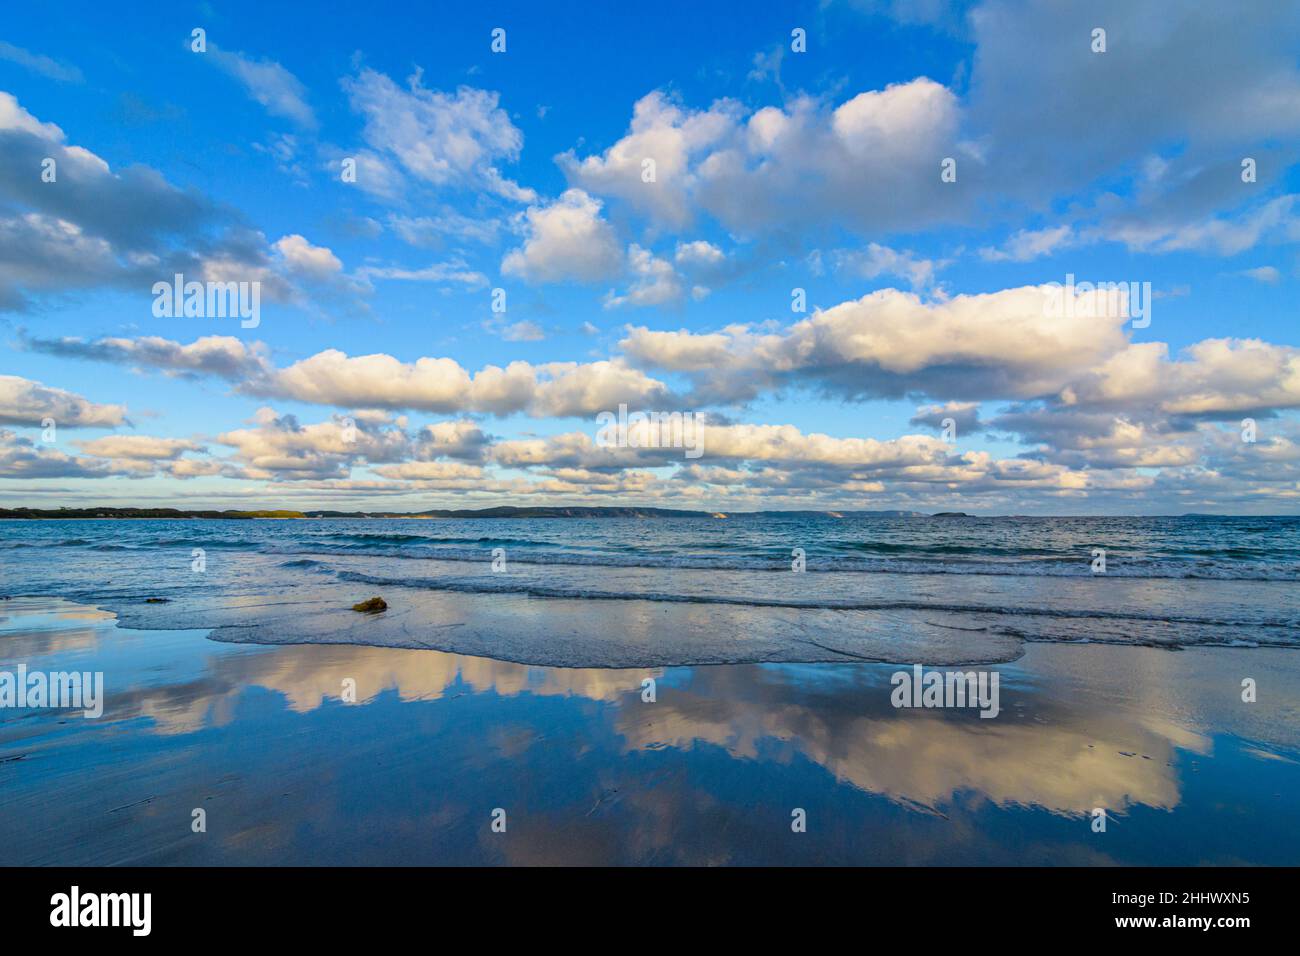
x=588 y=772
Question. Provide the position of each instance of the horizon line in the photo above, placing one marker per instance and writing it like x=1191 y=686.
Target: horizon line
x=542 y=511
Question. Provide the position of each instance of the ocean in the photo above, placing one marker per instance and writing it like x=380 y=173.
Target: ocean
x=744 y=588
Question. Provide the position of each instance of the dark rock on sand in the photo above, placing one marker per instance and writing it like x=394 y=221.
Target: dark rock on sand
x=373 y=606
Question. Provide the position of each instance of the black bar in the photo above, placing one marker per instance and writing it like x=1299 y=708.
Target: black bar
x=208 y=906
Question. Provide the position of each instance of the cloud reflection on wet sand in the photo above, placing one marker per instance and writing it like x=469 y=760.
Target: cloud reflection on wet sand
x=1081 y=727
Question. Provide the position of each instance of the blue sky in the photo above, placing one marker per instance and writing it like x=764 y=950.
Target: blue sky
x=379 y=376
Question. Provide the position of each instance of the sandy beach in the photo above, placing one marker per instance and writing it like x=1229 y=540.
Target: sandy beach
x=287 y=771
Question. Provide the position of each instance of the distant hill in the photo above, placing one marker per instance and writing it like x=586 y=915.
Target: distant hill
x=499 y=512
x=844 y=514
x=139 y=513
x=506 y=511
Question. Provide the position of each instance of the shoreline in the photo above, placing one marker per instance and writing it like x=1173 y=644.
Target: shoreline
x=393 y=627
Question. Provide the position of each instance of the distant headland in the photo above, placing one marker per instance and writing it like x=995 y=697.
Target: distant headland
x=498 y=512
x=510 y=511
